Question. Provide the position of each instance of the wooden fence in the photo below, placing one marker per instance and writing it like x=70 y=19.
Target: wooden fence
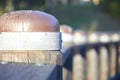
x=84 y=55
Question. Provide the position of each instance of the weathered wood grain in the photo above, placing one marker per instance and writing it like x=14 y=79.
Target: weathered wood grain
x=31 y=56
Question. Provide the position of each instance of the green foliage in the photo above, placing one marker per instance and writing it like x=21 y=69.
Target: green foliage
x=112 y=7
x=28 y=4
x=2 y=6
x=84 y=17
x=21 y=5
x=75 y=16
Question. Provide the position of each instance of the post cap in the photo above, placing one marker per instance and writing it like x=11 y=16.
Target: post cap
x=67 y=35
x=115 y=37
x=28 y=21
x=104 y=37
x=93 y=37
x=80 y=37
x=66 y=29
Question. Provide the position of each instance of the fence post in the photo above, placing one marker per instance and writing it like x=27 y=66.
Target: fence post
x=67 y=35
x=67 y=42
x=104 y=63
x=92 y=56
x=118 y=57
x=113 y=53
x=31 y=37
x=79 y=67
x=113 y=49
x=104 y=55
x=92 y=64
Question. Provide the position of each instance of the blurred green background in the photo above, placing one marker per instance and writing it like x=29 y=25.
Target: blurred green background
x=90 y=15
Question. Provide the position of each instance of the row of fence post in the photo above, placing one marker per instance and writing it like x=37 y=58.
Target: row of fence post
x=34 y=37
x=95 y=54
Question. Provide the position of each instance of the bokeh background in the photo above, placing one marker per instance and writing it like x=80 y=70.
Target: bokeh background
x=89 y=15
x=100 y=17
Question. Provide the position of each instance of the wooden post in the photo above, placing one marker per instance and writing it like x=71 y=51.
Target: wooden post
x=114 y=51
x=67 y=41
x=119 y=57
x=78 y=67
x=104 y=39
x=92 y=57
x=104 y=63
x=113 y=54
x=92 y=64
x=67 y=35
x=80 y=37
x=93 y=37
x=30 y=37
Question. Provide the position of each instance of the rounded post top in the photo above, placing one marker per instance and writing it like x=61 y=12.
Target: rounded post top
x=66 y=29
x=28 y=21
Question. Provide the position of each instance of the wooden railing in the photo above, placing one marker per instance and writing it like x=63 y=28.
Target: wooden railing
x=84 y=55
x=98 y=60
x=92 y=62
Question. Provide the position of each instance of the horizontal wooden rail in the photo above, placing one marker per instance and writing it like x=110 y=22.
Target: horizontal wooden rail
x=22 y=71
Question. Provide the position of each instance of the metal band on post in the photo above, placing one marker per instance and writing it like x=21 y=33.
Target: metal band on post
x=30 y=41
x=104 y=37
x=115 y=37
x=80 y=37
x=93 y=38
